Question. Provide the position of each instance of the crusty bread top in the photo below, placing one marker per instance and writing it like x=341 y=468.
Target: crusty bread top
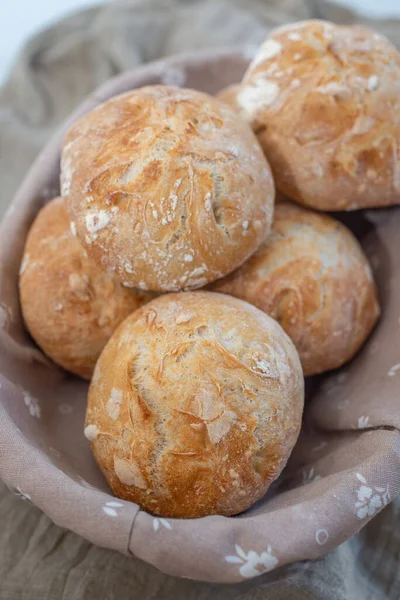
x=325 y=103
x=313 y=277
x=70 y=306
x=167 y=187
x=195 y=405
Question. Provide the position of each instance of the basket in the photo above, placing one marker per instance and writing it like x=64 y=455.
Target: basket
x=343 y=470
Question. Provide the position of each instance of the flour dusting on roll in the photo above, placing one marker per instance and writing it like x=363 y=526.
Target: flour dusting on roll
x=210 y=397
x=324 y=101
x=70 y=306
x=167 y=187
x=313 y=277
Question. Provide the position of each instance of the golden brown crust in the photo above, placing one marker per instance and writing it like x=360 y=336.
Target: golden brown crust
x=195 y=405
x=313 y=278
x=70 y=306
x=325 y=103
x=177 y=191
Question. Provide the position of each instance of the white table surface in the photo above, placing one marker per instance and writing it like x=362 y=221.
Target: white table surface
x=21 y=19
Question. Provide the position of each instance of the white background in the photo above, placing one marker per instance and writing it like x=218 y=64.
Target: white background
x=22 y=18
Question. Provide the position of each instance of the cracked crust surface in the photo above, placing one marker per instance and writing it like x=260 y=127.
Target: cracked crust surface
x=176 y=189
x=70 y=306
x=324 y=101
x=312 y=276
x=195 y=405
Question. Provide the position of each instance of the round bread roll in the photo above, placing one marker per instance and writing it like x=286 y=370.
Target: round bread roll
x=195 y=405
x=70 y=306
x=177 y=191
x=313 y=278
x=324 y=101
x=228 y=95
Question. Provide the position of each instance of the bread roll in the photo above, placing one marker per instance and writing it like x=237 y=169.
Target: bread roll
x=324 y=101
x=312 y=276
x=228 y=95
x=195 y=405
x=70 y=306
x=177 y=191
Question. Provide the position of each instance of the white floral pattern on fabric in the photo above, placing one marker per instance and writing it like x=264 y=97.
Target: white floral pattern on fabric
x=110 y=507
x=253 y=564
x=321 y=536
x=158 y=521
x=310 y=476
x=33 y=405
x=23 y=495
x=370 y=499
x=393 y=370
x=363 y=422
